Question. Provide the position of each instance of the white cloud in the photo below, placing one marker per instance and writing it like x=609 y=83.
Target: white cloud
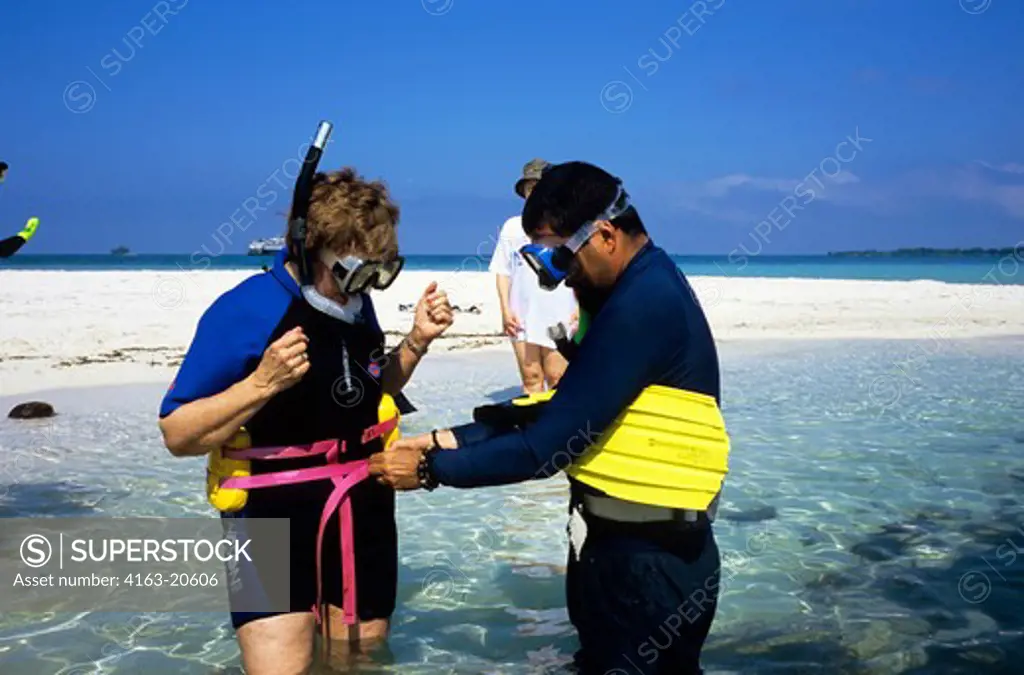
x=734 y=197
x=1010 y=167
x=720 y=187
x=970 y=184
x=740 y=197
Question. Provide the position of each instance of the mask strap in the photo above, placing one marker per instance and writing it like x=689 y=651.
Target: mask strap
x=331 y=261
x=580 y=237
x=613 y=211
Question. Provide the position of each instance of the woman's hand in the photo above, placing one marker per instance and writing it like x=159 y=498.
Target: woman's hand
x=284 y=362
x=398 y=466
x=510 y=324
x=433 y=313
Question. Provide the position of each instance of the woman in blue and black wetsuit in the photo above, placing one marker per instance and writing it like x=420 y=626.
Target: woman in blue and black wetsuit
x=303 y=368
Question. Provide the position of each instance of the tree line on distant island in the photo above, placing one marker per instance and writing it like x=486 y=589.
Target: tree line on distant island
x=926 y=252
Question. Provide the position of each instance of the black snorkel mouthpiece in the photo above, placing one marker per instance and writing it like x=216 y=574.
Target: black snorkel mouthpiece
x=297 y=229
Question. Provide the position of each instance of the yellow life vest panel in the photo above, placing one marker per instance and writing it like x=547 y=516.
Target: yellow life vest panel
x=387 y=410
x=219 y=467
x=669 y=448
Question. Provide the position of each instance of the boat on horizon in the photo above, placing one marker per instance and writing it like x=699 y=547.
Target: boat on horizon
x=266 y=246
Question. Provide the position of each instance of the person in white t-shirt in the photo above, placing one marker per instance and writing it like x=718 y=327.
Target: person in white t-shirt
x=527 y=310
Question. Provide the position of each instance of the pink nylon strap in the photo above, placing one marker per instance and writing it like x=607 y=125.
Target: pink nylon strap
x=340 y=498
x=345 y=477
x=378 y=430
x=313 y=449
x=284 y=451
x=288 y=477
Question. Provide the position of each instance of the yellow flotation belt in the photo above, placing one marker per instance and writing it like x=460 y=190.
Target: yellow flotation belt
x=219 y=468
x=229 y=479
x=232 y=463
x=669 y=448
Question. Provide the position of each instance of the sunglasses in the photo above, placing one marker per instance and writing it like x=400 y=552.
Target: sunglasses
x=355 y=275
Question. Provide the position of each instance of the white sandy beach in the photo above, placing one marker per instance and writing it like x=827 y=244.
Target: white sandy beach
x=84 y=328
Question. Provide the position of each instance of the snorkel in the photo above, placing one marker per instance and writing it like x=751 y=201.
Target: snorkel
x=353 y=275
x=298 y=230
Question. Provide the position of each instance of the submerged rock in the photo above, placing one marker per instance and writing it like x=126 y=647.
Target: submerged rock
x=31 y=410
x=878 y=550
x=900 y=528
x=873 y=639
x=833 y=579
x=754 y=515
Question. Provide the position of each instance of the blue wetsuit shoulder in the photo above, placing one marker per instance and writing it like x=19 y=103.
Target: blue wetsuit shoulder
x=650 y=331
x=229 y=340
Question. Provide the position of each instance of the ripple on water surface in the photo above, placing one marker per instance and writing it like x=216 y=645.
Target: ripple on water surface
x=872 y=523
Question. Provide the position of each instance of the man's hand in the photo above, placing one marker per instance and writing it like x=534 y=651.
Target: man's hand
x=433 y=313
x=423 y=442
x=397 y=466
x=510 y=324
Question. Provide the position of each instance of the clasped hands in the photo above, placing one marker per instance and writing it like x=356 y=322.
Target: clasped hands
x=398 y=465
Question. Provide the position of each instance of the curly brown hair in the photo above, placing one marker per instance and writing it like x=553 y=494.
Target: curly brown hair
x=350 y=215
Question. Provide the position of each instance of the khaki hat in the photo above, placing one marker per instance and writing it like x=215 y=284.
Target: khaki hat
x=531 y=171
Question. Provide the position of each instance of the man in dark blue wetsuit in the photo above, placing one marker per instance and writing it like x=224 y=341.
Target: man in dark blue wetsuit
x=642 y=583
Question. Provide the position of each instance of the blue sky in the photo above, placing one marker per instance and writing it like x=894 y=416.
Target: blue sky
x=788 y=126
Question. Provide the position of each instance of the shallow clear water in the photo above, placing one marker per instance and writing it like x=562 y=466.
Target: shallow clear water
x=871 y=523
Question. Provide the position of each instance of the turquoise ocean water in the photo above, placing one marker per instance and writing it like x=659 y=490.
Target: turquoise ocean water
x=872 y=523
x=1006 y=270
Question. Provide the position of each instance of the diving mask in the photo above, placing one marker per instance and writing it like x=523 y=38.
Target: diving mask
x=552 y=264
x=355 y=275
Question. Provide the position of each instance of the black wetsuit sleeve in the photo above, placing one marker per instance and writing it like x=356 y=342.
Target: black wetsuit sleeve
x=10 y=246
x=626 y=349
